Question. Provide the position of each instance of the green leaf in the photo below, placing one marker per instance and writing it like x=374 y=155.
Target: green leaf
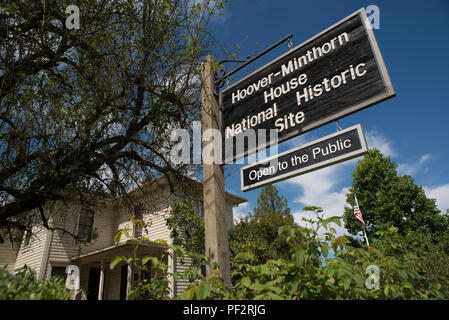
x=347 y=283
x=118 y=235
x=179 y=251
x=295 y=285
x=334 y=219
x=282 y=229
x=245 y=282
x=299 y=258
x=324 y=249
x=403 y=274
x=257 y=286
x=189 y=293
x=116 y=261
x=203 y=290
x=386 y=289
x=145 y=260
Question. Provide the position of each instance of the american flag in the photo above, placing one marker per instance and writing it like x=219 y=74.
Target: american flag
x=357 y=212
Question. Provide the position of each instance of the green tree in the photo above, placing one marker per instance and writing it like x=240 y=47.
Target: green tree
x=81 y=108
x=269 y=201
x=389 y=200
x=386 y=198
x=186 y=227
x=258 y=233
x=386 y=270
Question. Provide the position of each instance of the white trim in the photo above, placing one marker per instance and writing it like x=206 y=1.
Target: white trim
x=377 y=55
x=45 y=255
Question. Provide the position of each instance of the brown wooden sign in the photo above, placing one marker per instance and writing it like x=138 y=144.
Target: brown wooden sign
x=336 y=73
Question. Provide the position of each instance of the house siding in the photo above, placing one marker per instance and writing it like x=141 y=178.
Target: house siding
x=108 y=219
x=32 y=254
x=7 y=255
x=181 y=267
x=65 y=247
x=113 y=278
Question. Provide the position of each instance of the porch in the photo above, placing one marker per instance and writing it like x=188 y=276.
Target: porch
x=99 y=282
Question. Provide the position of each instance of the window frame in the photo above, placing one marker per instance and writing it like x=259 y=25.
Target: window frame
x=83 y=235
x=30 y=223
x=138 y=215
x=54 y=266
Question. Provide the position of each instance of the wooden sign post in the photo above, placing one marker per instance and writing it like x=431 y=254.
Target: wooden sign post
x=216 y=238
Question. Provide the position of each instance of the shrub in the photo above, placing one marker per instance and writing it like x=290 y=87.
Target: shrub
x=25 y=286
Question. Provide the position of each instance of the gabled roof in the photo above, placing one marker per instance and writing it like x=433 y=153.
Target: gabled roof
x=162 y=180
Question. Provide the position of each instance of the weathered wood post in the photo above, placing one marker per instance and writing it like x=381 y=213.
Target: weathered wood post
x=216 y=238
x=101 y=284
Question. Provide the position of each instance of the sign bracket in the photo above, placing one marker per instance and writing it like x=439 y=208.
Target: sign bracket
x=219 y=80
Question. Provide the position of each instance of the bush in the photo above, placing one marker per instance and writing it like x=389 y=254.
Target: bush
x=353 y=273
x=25 y=286
x=318 y=266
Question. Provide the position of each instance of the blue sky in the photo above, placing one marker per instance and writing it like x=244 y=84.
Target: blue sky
x=412 y=127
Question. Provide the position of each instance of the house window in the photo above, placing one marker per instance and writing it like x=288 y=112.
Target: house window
x=138 y=215
x=29 y=225
x=203 y=270
x=58 y=272
x=85 y=225
x=145 y=277
x=202 y=208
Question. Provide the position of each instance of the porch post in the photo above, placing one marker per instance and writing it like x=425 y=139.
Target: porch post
x=129 y=280
x=101 y=286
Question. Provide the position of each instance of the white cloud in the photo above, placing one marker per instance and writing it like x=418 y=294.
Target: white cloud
x=319 y=188
x=241 y=211
x=376 y=140
x=425 y=157
x=410 y=169
x=385 y=146
x=441 y=194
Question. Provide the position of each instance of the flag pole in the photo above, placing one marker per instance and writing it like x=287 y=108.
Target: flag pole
x=366 y=235
x=358 y=216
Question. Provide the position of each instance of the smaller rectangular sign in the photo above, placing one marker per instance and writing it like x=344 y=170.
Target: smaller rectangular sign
x=340 y=146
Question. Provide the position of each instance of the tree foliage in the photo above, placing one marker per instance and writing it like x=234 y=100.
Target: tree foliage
x=25 y=286
x=309 y=272
x=81 y=108
x=186 y=227
x=388 y=199
x=269 y=201
x=257 y=233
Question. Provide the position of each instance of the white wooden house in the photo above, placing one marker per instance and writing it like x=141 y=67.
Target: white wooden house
x=49 y=252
